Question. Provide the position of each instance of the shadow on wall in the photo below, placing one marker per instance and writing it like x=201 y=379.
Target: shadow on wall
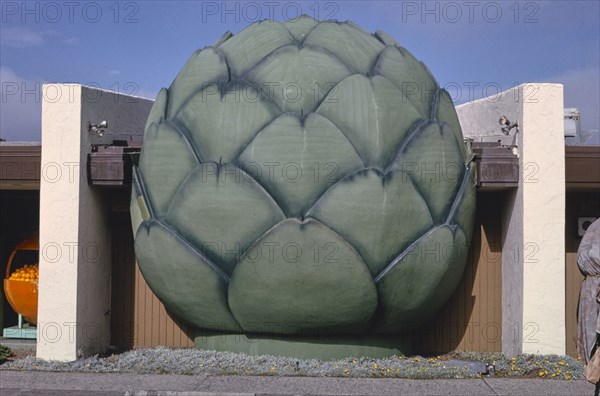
x=123 y=281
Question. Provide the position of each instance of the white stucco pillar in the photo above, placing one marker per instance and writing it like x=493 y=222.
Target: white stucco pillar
x=533 y=215
x=59 y=221
x=542 y=174
x=75 y=241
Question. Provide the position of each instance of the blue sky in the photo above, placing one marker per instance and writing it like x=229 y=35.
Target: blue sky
x=474 y=48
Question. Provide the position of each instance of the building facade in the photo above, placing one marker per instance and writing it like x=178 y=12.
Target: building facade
x=518 y=293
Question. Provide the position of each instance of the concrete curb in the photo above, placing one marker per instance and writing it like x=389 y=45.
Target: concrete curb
x=54 y=383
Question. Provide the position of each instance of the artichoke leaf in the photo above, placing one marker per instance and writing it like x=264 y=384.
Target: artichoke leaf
x=380 y=215
x=298 y=79
x=221 y=121
x=434 y=162
x=170 y=265
x=373 y=114
x=420 y=280
x=222 y=210
x=248 y=47
x=296 y=161
x=299 y=277
x=137 y=207
x=409 y=76
x=446 y=113
x=300 y=27
x=205 y=67
x=386 y=39
x=465 y=203
x=158 y=111
x=355 y=47
x=163 y=172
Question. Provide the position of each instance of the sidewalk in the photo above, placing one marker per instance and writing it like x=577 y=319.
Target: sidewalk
x=47 y=383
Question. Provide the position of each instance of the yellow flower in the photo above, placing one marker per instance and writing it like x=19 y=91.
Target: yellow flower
x=272 y=368
x=541 y=373
x=567 y=377
x=374 y=365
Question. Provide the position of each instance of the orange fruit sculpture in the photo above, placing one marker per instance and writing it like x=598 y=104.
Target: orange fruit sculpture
x=21 y=285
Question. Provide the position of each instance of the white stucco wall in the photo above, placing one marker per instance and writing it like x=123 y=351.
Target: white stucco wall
x=74 y=285
x=533 y=253
x=480 y=117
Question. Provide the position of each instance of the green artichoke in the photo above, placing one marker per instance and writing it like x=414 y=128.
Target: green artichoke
x=303 y=176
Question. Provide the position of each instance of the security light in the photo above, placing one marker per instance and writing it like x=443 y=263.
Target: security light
x=507 y=126
x=98 y=129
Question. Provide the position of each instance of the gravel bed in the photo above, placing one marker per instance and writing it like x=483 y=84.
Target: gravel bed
x=191 y=361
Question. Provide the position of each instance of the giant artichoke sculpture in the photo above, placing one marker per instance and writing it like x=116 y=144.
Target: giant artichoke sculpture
x=303 y=176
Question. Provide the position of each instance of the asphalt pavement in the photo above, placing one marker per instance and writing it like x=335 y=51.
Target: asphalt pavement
x=53 y=383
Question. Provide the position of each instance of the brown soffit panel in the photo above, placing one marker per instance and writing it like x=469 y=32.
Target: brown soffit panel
x=20 y=167
x=582 y=167
x=497 y=167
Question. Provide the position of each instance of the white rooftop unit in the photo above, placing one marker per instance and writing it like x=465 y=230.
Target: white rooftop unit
x=572 y=125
